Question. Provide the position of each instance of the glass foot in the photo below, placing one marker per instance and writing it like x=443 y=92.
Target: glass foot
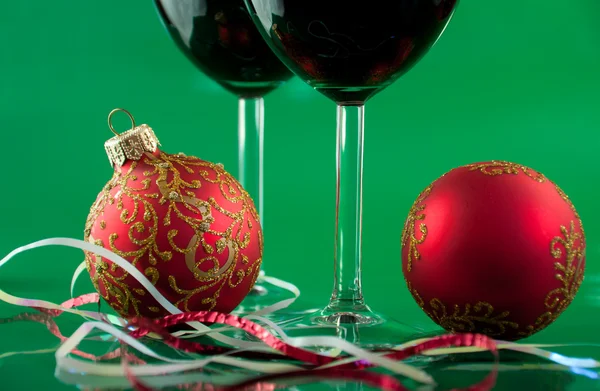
x=357 y=324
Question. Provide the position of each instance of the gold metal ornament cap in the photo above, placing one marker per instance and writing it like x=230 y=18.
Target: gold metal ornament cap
x=131 y=144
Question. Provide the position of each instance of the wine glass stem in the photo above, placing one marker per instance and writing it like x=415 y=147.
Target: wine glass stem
x=347 y=291
x=250 y=149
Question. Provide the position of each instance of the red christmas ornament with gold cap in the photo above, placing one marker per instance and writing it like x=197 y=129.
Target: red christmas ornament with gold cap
x=494 y=248
x=183 y=222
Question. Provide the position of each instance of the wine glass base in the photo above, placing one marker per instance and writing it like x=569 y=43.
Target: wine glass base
x=358 y=325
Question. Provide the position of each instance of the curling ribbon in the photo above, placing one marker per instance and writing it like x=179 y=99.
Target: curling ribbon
x=373 y=379
x=349 y=370
x=135 y=273
x=257 y=315
x=66 y=363
x=361 y=359
x=396 y=367
x=524 y=367
x=160 y=327
x=369 y=359
x=287 y=286
x=381 y=381
x=46 y=318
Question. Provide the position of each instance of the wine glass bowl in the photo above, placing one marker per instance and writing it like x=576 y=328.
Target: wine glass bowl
x=351 y=50
x=220 y=39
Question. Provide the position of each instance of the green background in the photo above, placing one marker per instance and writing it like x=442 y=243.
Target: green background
x=512 y=80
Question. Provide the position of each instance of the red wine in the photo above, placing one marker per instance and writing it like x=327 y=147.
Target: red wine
x=347 y=49
x=219 y=37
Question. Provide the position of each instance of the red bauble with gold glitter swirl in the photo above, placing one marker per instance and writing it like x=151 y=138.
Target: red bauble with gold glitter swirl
x=494 y=248
x=185 y=223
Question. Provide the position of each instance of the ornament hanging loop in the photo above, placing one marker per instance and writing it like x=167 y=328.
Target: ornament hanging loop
x=110 y=125
x=131 y=144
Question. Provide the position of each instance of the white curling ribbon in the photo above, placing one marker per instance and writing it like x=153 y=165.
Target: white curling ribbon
x=67 y=363
x=122 y=322
x=135 y=273
x=555 y=357
x=23 y=302
x=530 y=349
x=293 y=289
x=82 y=266
x=524 y=367
x=28 y=352
x=283 y=303
x=273 y=327
x=397 y=367
x=85 y=381
x=284 y=337
x=332 y=342
x=64 y=362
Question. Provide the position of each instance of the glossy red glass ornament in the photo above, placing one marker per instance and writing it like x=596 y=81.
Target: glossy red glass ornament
x=494 y=248
x=185 y=223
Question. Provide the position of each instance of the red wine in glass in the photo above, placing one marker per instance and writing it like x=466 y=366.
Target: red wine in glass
x=350 y=50
x=219 y=37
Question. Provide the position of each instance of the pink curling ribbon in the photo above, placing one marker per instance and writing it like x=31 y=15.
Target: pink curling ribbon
x=145 y=326
x=346 y=371
x=373 y=379
x=46 y=316
x=384 y=382
x=160 y=326
x=72 y=303
x=126 y=358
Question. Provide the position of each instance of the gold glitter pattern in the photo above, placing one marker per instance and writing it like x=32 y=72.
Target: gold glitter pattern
x=480 y=317
x=409 y=237
x=115 y=287
x=499 y=167
x=569 y=248
x=566 y=198
x=177 y=195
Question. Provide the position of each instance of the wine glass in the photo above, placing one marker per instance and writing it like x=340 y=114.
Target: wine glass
x=219 y=37
x=349 y=51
